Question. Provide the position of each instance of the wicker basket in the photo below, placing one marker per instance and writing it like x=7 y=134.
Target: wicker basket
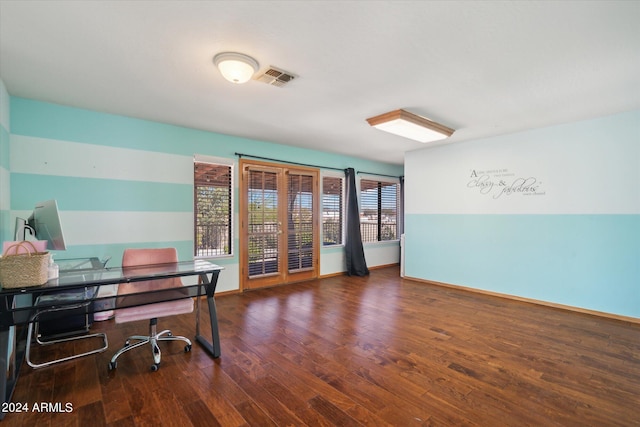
x=24 y=269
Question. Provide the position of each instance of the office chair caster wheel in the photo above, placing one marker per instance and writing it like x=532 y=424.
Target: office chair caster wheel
x=113 y=365
x=155 y=367
x=187 y=348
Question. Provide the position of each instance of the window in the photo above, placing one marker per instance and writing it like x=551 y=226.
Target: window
x=379 y=210
x=213 y=209
x=332 y=191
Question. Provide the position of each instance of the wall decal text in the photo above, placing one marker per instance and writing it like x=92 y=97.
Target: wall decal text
x=501 y=183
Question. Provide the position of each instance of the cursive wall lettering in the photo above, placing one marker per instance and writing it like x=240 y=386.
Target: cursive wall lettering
x=500 y=182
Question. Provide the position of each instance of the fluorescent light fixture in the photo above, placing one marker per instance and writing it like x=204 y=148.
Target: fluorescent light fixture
x=409 y=125
x=236 y=67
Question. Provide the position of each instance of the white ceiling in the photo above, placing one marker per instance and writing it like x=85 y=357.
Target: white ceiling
x=483 y=68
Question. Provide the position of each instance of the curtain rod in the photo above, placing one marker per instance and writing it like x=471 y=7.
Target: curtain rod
x=379 y=174
x=308 y=165
x=285 y=161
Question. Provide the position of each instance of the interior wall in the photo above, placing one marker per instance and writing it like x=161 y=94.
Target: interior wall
x=5 y=195
x=550 y=214
x=124 y=182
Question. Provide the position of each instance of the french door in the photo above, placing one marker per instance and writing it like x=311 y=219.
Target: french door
x=279 y=236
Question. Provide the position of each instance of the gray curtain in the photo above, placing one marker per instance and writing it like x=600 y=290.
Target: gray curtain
x=356 y=264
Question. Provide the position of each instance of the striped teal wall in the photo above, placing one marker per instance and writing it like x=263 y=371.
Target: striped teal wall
x=123 y=182
x=5 y=199
x=572 y=237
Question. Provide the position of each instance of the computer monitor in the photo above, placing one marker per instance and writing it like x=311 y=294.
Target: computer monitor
x=43 y=224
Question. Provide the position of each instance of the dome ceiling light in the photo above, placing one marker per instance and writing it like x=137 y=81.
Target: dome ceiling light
x=236 y=67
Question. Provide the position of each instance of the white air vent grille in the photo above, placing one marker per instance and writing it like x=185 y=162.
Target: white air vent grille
x=276 y=77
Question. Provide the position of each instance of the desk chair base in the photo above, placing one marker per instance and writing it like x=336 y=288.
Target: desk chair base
x=152 y=339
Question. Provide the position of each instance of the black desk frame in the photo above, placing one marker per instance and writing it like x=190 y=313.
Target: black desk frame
x=12 y=317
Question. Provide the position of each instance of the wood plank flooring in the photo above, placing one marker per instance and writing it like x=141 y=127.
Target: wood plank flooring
x=349 y=351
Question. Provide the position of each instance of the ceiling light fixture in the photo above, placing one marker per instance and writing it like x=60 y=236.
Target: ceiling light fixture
x=412 y=126
x=236 y=67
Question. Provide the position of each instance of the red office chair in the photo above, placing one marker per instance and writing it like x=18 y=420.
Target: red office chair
x=127 y=294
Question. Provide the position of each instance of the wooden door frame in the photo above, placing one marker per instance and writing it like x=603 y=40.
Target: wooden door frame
x=243 y=237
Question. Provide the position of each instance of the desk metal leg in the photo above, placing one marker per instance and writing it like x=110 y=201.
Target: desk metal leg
x=5 y=389
x=10 y=360
x=212 y=347
x=11 y=354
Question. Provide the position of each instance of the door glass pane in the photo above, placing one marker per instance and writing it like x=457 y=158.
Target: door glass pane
x=299 y=222
x=263 y=226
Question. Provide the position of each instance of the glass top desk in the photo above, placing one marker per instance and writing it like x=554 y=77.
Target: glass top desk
x=204 y=278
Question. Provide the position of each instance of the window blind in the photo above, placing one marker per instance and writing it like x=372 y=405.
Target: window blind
x=212 y=209
x=332 y=208
x=379 y=210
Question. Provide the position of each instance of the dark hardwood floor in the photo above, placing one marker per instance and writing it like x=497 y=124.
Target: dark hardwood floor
x=347 y=351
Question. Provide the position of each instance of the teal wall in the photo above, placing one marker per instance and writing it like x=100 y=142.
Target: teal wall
x=124 y=182
x=5 y=197
x=565 y=231
x=588 y=261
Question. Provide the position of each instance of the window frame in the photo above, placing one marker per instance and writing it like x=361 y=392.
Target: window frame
x=218 y=161
x=340 y=176
x=379 y=181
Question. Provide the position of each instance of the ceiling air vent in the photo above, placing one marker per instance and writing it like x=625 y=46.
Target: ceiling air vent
x=276 y=77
